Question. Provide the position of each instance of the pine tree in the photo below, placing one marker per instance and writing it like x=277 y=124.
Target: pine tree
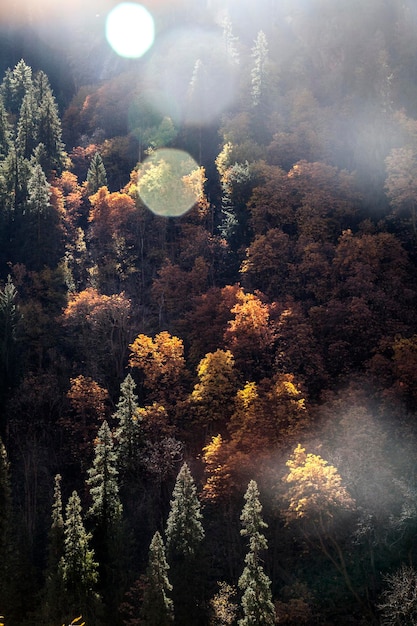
x=106 y=508
x=128 y=432
x=184 y=529
x=26 y=134
x=49 y=130
x=157 y=608
x=15 y=85
x=5 y=132
x=78 y=567
x=105 y=513
x=184 y=534
x=96 y=175
x=259 y=72
x=230 y=41
x=54 y=587
x=8 y=323
x=256 y=600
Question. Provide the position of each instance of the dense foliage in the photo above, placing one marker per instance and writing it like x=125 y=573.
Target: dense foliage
x=165 y=378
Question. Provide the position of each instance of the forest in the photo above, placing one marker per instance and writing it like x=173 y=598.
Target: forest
x=208 y=330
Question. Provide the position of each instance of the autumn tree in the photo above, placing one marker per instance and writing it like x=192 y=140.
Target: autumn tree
x=212 y=396
x=256 y=601
x=88 y=403
x=315 y=498
x=162 y=363
x=223 y=606
x=250 y=335
x=157 y=607
x=99 y=325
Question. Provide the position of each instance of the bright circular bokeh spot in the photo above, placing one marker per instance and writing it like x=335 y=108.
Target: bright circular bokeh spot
x=130 y=30
x=169 y=182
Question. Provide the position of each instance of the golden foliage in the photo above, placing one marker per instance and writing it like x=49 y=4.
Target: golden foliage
x=315 y=490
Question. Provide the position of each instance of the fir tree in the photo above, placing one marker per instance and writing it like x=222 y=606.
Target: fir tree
x=128 y=432
x=106 y=508
x=184 y=529
x=26 y=134
x=54 y=587
x=5 y=132
x=184 y=533
x=78 y=567
x=15 y=85
x=260 y=69
x=256 y=600
x=105 y=513
x=157 y=608
x=96 y=175
x=49 y=130
x=8 y=324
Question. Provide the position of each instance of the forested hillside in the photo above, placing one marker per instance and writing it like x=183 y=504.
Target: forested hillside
x=208 y=331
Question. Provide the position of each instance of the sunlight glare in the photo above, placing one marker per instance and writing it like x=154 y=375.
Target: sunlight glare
x=130 y=30
x=163 y=183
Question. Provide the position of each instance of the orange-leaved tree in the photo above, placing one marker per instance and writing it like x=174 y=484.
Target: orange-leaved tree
x=162 y=363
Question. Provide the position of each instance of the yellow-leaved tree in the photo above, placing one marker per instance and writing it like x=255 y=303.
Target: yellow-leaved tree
x=316 y=500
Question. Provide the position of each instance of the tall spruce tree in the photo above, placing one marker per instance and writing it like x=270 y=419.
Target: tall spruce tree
x=128 y=432
x=5 y=132
x=105 y=513
x=48 y=130
x=54 y=587
x=259 y=73
x=256 y=600
x=78 y=567
x=8 y=325
x=96 y=175
x=26 y=134
x=157 y=607
x=184 y=535
x=106 y=508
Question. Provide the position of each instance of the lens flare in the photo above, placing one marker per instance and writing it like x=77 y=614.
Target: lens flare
x=130 y=30
x=169 y=182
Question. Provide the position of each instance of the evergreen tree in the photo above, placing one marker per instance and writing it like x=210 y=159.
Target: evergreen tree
x=106 y=508
x=184 y=529
x=184 y=533
x=105 y=513
x=78 y=567
x=54 y=587
x=49 y=130
x=8 y=323
x=26 y=134
x=230 y=41
x=260 y=68
x=15 y=85
x=96 y=175
x=128 y=432
x=5 y=132
x=256 y=600
x=157 y=608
